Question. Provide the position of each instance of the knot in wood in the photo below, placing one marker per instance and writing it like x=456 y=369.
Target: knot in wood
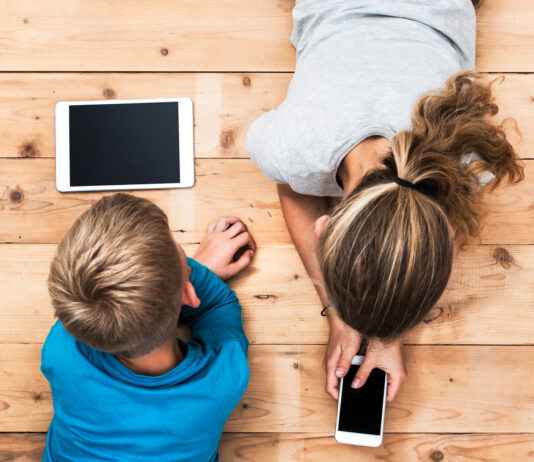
x=16 y=196
x=503 y=258
x=246 y=81
x=227 y=139
x=29 y=149
x=436 y=456
x=109 y=93
x=164 y=51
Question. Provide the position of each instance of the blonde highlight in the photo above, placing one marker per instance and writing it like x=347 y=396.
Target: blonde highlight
x=386 y=253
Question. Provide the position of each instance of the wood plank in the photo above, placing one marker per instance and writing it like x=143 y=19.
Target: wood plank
x=233 y=36
x=229 y=35
x=311 y=447
x=485 y=302
x=457 y=389
x=32 y=210
x=224 y=104
x=299 y=447
x=22 y=447
x=505 y=37
x=223 y=187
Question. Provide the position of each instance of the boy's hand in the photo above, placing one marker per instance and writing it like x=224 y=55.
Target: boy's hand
x=387 y=357
x=219 y=248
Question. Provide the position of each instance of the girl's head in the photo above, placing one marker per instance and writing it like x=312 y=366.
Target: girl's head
x=386 y=252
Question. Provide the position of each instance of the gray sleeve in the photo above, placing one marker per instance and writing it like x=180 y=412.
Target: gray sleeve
x=263 y=146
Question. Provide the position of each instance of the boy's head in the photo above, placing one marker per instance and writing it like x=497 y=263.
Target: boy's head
x=117 y=279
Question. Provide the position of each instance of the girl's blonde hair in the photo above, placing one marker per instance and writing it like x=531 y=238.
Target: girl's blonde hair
x=386 y=253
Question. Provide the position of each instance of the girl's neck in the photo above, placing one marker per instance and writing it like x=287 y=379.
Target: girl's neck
x=157 y=362
x=364 y=157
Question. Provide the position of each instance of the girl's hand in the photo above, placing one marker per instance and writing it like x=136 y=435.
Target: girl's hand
x=343 y=343
x=387 y=357
x=219 y=248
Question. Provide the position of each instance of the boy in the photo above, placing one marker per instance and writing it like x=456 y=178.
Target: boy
x=124 y=387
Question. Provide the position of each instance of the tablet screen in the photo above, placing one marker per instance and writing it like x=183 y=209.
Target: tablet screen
x=124 y=144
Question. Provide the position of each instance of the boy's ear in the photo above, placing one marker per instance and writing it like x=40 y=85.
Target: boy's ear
x=189 y=296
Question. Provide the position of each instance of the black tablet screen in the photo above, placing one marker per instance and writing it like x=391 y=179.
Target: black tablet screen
x=120 y=144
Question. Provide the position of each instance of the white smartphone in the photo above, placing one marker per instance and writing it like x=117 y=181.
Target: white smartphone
x=124 y=144
x=361 y=411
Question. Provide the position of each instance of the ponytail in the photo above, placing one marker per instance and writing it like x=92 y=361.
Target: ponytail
x=386 y=253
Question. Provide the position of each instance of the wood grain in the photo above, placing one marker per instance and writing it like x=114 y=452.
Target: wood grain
x=487 y=301
x=504 y=36
x=29 y=200
x=224 y=105
x=161 y=35
x=32 y=210
x=312 y=447
x=456 y=389
x=306 y=447
x=195 y=35
x=22 y=447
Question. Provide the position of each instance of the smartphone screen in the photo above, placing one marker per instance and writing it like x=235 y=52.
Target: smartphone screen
x=361 y=408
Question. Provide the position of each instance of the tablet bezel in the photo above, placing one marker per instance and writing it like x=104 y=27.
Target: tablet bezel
x=186 y=147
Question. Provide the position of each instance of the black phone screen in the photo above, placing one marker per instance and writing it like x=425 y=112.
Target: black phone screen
x=122 y=144
x=361 y=408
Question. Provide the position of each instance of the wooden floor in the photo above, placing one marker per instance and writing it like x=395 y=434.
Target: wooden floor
x=469 y=394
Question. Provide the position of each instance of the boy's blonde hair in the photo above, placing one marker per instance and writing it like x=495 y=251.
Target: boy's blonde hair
x=117 y=277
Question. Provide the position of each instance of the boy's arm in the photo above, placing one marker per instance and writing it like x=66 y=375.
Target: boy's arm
x=218 y=318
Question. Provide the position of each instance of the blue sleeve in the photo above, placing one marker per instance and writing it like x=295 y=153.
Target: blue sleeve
x=218 y=318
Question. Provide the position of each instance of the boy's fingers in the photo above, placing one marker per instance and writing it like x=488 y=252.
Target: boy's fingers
x=224 y=222
x=242 y=262
x=243 y=239
x=212 y=227
x=363 y=372
x=236 y=228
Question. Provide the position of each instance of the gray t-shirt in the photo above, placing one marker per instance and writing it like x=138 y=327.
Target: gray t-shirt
x=361 y=65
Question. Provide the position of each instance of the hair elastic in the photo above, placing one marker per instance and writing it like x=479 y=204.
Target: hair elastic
x=405 y=183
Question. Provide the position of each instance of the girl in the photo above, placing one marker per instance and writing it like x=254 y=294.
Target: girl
x=410 y=177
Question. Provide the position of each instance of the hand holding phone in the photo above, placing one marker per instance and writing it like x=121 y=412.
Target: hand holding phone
x=361 y=411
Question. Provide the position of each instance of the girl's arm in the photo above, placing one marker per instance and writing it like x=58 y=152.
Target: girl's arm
x=301 y=212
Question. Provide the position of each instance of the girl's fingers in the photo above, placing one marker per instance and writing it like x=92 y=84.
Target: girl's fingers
x=394 y=383
x=363 y=372
x=345 y=360
x=393 y=388
x=331 y=360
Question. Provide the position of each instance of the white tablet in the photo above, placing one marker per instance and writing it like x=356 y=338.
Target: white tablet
x=124 y=144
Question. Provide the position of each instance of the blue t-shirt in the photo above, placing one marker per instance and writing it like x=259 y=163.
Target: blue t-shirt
x=106 y=412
